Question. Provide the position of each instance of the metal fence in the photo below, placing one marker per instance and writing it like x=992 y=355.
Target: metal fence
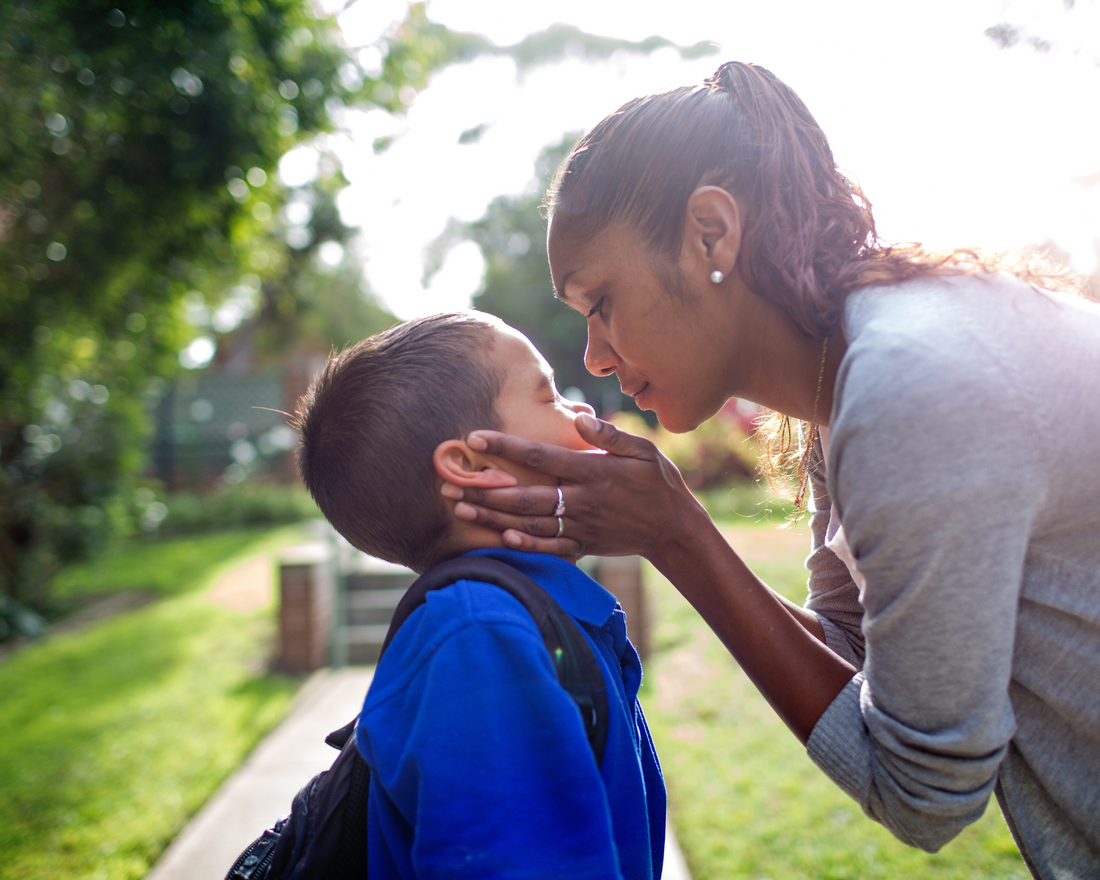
x=222 y=426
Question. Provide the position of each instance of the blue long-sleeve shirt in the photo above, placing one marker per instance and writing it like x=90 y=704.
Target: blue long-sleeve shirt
x=480 y=763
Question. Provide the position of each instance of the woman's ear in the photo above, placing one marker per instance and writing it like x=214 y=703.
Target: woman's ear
x=456 y=463
x=712 y=230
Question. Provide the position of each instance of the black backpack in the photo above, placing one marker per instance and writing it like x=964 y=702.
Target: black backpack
x=325 y=834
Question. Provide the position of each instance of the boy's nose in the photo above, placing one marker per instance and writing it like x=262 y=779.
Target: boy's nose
x=578 y=408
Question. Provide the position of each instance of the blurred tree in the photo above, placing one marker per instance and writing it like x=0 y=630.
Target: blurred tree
x=314 y=304
x=138 y=147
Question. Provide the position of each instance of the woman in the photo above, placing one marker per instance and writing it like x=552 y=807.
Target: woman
x=950 y=644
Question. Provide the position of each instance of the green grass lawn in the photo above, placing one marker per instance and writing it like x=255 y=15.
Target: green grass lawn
x=745 y=798
x=113 y=736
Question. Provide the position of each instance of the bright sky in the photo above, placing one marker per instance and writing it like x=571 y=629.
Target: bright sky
x=955 y=141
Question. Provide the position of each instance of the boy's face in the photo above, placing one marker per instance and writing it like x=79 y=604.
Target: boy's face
x=529 y=405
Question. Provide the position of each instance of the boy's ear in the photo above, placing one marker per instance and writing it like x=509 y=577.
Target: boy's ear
x=456 y=463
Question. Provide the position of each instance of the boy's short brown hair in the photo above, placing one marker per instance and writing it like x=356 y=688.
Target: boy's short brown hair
x=371 y=421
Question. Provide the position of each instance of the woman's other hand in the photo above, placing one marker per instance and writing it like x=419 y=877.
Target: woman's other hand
x=626 y=498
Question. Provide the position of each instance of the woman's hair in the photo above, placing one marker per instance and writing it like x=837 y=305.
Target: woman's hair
x=808 y=237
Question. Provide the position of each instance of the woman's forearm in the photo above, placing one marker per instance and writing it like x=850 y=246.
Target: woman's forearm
x=779 y=645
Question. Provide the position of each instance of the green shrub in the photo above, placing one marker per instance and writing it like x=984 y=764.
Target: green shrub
x=716 y=453
x=245 y=505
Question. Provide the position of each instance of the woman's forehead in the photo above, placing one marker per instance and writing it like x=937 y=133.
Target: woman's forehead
x=568 y=254
x=576 y=260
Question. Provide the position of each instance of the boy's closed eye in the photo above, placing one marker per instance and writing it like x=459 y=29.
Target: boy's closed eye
x=529 y=404
x=547 y=391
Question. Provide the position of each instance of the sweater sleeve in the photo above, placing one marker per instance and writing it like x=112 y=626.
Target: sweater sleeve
x=936 y=478
x=832 y=594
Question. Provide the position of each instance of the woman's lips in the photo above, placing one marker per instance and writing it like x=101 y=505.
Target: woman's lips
x=637 y=394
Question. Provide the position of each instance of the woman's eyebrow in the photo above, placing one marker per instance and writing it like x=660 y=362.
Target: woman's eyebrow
x=559 y=292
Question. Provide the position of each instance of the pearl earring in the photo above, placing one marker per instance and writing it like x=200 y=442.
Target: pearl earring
x=717 y=277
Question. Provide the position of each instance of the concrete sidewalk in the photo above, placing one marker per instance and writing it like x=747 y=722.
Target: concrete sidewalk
x=261 y=791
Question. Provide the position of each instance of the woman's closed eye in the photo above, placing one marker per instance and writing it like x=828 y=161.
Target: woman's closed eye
x=598 y=308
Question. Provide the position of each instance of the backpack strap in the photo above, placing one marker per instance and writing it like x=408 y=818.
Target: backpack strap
x=351 y=854
x=574 y=660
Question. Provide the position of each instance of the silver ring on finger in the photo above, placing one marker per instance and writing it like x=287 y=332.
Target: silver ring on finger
x=561 y=527
x=559 y=511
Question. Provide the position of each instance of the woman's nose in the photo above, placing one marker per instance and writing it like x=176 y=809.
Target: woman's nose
x=599 y=357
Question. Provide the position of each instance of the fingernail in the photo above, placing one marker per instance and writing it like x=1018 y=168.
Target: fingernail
x=450 y=490
x=590 y=423
x=465 y=511
x=512 y=539
x=477 y=443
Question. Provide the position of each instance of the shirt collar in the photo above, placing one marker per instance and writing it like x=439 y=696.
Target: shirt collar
x=571 y=588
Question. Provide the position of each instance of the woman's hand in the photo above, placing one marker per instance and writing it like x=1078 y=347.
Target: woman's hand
x=631 y=500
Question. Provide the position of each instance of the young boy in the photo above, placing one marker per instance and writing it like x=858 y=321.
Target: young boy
x=480 y=765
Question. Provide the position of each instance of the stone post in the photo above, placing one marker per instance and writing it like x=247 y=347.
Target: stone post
x=306 y=593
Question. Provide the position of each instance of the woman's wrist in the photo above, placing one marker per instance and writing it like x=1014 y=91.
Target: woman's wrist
x=684 y=537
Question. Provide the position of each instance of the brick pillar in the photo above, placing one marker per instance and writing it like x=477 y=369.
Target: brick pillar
x=622 y=576
x=306 y=592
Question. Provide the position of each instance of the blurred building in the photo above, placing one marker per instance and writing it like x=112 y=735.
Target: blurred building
x=217 y=425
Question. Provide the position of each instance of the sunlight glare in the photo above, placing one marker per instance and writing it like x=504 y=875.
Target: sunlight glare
x=300 y=166
x=367 y=21
x=448 y=290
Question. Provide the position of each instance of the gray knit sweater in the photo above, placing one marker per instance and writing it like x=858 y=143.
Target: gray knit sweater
x=964 y=465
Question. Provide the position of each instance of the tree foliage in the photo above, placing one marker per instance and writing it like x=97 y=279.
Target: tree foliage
x=138 y=150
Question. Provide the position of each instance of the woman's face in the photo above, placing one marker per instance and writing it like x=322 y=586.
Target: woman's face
x=672 y=337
